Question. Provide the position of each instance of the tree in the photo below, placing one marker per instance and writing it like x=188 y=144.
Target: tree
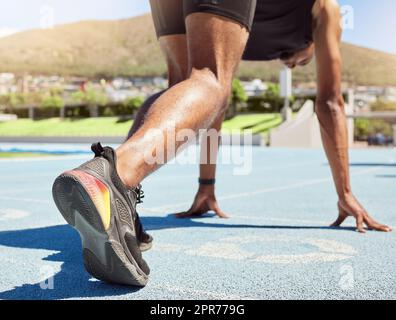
x=52 y=101
x=270 y=101
x=238 y=96
x=272 y=97
x=9 y=102
x=131 y=105
x=13 y=100
x=381 y=105
x=92 y=97
x=367 y=127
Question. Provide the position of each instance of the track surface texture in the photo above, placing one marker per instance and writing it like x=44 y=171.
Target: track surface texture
x=277 y=244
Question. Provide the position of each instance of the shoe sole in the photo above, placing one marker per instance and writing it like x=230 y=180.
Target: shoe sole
x=78 y=196
x=144 y=247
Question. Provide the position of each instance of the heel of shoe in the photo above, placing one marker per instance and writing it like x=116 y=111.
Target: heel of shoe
x=78 y=192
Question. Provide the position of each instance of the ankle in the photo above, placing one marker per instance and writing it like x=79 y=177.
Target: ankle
x=124 y=171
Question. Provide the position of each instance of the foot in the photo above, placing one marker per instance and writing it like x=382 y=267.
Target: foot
x=94 y=201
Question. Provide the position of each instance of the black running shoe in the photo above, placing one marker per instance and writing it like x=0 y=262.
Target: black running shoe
x=93 y=199
x=145 y=240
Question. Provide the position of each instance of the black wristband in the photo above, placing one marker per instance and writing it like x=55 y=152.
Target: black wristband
x=207 y=182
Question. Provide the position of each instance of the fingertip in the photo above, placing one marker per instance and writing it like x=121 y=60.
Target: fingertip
x=360 y=230
x=221 y=214
x=384 y=228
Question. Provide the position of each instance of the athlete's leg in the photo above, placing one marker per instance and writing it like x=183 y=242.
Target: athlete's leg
x=174 y=48
x=194 y=103
x=97 y=201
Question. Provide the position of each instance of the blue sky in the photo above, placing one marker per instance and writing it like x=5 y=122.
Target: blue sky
x=374 y=21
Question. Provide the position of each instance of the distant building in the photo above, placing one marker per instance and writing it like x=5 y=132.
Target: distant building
x=7 y=83
x=255 y=87
x=390 y=94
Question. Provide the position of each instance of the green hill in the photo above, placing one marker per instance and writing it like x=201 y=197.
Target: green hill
x=129 y=47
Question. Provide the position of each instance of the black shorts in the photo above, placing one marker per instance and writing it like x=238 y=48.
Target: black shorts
x=169 y=15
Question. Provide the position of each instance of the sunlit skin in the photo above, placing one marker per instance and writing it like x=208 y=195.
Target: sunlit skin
x=193 y=103
x=329 y=109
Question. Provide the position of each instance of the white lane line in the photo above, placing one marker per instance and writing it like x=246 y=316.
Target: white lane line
x=265 y=168
x=166 y=175
x=27 y=190
x=292 y=186
x=234 y=248
x=249 y=216
x=199 y=293
x=286 y=220
x=25 y=200
x=266 y=190
x=45 y=158
x=4 y=195
x=149 y=179
x=291 y=165
x=13 y=214
x=226 y=197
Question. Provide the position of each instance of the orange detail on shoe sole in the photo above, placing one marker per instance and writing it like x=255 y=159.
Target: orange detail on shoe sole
x=99 y=194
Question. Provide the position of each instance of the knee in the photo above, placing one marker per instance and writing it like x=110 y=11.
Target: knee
x=217 y=88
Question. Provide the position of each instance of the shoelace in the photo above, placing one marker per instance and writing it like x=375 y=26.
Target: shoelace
x=98 y=149
x=139 y=194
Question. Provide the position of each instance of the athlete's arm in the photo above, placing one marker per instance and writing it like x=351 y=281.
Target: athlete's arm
x=331 y=114
x=205 y=199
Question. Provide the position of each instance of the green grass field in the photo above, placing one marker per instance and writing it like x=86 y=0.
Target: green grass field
x=8 y=155
x=101 y=127
x=258 y=123
x=56 y=127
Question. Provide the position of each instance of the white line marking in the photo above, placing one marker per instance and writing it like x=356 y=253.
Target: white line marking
x=27 y=190
x=248 y=217
x=45 y=158
x=153 y=179
x=25 y=200
x=13 y=214
x=157 y=177
x=161 y=209
x=230 y=249
x=199 y=293
x=262 y=191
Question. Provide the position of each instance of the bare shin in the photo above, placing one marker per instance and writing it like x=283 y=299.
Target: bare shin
x=192 y=104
